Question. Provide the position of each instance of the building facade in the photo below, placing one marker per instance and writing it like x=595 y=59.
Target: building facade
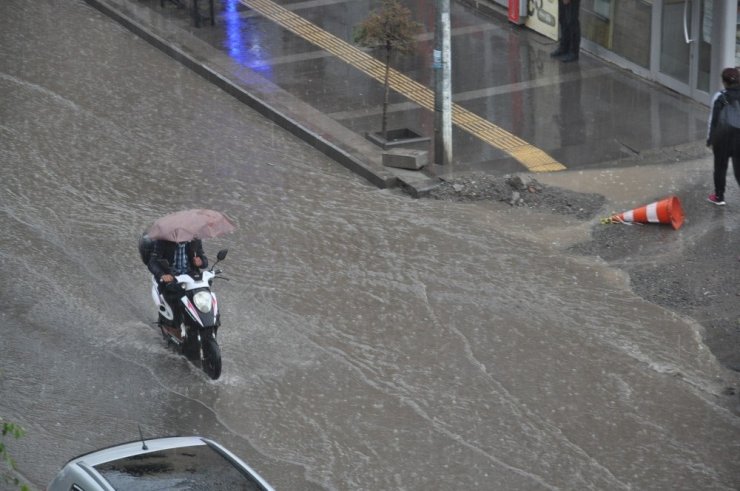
x=681 y=44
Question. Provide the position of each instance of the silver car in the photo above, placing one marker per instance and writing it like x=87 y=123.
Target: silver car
x=179 y=463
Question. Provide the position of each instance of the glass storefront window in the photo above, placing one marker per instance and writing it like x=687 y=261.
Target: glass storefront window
x=621 y=26
x=674 y=50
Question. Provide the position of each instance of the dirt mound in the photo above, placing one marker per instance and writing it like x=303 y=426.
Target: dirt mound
x=516 y=192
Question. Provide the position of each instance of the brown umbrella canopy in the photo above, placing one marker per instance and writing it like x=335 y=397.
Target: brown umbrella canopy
x=186 y=225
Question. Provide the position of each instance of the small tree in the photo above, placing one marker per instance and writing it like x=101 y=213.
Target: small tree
x=392 y=29
x=9 y=429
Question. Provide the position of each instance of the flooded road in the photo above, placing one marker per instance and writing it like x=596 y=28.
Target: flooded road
x=370 y=341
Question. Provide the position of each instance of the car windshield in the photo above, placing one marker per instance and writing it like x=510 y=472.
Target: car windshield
x=185 y=468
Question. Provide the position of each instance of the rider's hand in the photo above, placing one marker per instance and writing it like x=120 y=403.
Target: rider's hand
x=197 y=261
x=167 y=278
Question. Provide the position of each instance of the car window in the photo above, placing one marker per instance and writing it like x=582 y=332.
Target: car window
x=182 y=469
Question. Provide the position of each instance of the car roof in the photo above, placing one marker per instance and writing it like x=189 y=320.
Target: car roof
x=88 y=461
x=137 y=447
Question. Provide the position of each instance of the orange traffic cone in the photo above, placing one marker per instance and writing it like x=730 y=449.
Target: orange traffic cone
x=667 y=210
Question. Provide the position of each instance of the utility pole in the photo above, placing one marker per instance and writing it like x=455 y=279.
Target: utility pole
x=442 y=86
x=723 y=41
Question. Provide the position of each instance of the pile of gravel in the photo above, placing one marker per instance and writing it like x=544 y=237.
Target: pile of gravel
x=514 y=191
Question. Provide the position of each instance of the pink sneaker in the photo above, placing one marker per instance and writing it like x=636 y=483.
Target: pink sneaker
x=713 y=199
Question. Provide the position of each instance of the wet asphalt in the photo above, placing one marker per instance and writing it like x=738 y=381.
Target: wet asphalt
x=584 y=115
x=373 y=341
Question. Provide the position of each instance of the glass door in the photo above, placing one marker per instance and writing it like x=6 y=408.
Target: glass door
x=683 y=48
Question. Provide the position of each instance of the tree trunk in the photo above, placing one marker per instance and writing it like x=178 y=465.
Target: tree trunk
x=384 y=124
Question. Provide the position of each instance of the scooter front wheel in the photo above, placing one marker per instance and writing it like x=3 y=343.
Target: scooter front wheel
x=211 y=362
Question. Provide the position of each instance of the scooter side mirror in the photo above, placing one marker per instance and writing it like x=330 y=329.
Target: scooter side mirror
x=222 y=254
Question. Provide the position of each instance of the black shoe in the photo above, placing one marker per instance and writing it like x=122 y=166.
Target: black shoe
x=568 y=57
x=558 y=52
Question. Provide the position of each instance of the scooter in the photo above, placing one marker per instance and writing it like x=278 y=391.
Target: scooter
x=190 y=324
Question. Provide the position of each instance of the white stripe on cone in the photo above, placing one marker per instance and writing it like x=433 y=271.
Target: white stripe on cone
x=652 y=213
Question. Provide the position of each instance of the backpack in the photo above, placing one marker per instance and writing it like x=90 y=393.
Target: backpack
x=146 y=247
x=729 y=115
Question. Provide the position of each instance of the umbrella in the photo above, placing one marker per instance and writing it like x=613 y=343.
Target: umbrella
x=186 y=225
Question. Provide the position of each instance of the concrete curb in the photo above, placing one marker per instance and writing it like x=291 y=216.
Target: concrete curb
x=326 y=135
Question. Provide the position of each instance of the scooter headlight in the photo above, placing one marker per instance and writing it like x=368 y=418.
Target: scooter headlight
x=203 y=301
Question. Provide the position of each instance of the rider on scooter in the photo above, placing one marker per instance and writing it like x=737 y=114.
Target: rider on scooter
x=181 y=257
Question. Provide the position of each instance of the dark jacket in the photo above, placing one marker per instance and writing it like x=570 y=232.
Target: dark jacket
x=164 y=249
x=728 y=95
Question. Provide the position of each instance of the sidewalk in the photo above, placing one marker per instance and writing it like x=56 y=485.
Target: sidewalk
x=582 y=115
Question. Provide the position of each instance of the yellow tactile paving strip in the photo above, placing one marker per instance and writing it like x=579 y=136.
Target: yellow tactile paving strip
x=534 y=159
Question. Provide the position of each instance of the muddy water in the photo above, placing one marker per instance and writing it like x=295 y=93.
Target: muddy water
x=370 y=341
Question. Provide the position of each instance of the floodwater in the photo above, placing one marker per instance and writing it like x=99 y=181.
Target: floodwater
x=370 y=341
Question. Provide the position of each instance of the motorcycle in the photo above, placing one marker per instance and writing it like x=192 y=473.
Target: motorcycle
x=190 y=324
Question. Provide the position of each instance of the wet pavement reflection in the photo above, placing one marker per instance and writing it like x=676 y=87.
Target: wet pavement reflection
x=583 y=114
x=369 y=340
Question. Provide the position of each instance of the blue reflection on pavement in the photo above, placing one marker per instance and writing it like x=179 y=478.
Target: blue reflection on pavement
x=251 y=54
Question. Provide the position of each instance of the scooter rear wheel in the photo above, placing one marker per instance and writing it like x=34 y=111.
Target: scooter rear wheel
x=211 y=358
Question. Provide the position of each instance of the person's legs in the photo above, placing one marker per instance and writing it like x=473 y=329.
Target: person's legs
x=173 y=300
x=571 y=31
x=575 y=27
x=736 y=155
x=721 y=157
x=562 y=40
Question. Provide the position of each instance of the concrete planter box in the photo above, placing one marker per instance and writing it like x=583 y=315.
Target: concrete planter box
x=405 y=158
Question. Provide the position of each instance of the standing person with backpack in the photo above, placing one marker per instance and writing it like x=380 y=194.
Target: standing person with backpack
x=724 y=139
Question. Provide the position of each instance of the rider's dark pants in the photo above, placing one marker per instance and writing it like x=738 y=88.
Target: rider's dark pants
x=173 y=300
